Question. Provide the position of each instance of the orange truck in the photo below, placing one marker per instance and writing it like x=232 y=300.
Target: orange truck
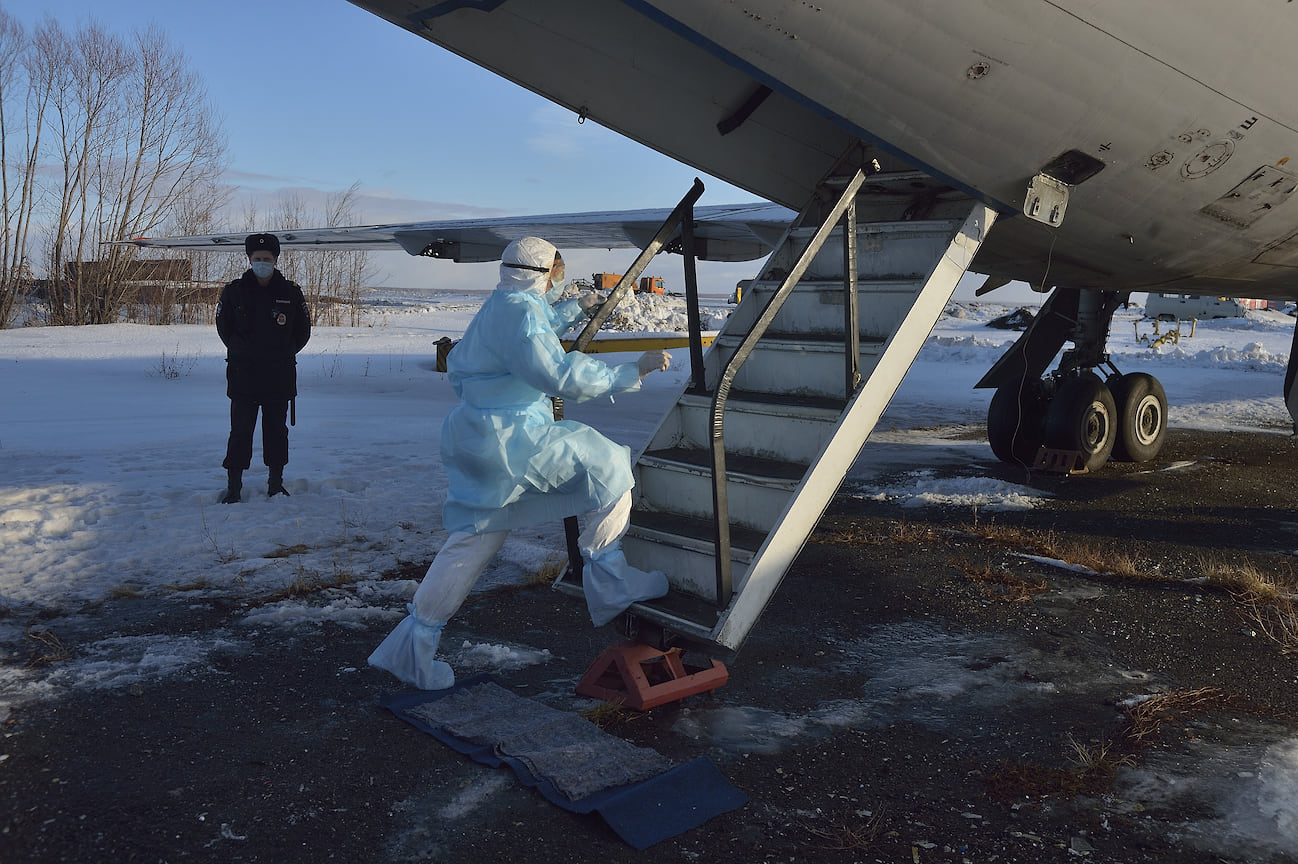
x=608 y=281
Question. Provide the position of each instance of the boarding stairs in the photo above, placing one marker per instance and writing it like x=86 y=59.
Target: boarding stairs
x=785 y=398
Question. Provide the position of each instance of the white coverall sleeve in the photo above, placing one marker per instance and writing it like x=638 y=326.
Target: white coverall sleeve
x=538 y=358
x=566 y=314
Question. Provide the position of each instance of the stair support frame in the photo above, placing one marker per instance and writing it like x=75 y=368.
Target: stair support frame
x=773 y=560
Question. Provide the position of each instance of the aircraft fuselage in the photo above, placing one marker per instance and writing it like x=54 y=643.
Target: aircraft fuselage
x=1184 y=105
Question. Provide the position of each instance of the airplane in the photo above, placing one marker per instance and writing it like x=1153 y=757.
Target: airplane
x=1121 y=153
x=1095 y=150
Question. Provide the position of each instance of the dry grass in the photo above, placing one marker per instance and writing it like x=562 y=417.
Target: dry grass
x=851 y=536
x=1000 y=585
x=844 y=837
x=288 y=551
x=306 y=583
x=1278 y=622
x=545 y=575
x=1100 y=758
x=898 y=532
x=1144 y=719
x=45 y=648
x=1242 y=577
x=1004 y=535
x=223 y=555
x=610 y=715
x=1093 y=765
x=1268 y=599
x=1121 y=562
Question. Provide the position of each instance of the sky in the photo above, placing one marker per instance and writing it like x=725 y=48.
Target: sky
x=110 y=479
x=316 y=95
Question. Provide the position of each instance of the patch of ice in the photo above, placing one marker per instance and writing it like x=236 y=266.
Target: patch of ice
x=482 y=655
x=928 y=490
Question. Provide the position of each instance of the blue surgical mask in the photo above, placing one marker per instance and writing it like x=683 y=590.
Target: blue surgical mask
x=262 y=269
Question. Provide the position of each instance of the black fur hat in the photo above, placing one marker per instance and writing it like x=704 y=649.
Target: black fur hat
x=269 y=242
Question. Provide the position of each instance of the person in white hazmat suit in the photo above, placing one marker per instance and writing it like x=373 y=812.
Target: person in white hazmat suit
x=509 y=463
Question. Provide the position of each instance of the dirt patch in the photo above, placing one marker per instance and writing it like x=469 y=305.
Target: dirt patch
x=919 y=690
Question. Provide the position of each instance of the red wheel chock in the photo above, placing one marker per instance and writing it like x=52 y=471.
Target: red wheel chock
x=643 y=677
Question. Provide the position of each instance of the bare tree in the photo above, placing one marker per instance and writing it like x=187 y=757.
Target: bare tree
x=196 y=213
x=103 y=139
x=12 y=40
x=332 y=279
x=85 y=121
x=170 y=154
x=26 y=81
x=134 y=140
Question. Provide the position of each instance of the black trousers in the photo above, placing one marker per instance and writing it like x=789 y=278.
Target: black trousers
x=274 y=433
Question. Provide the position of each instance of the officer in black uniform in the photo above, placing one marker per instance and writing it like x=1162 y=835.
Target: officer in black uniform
x=264 y=321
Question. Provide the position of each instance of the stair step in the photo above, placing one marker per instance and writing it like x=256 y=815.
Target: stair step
x=672 y=527
x=692 y=618
x=685 y=550
x=788 y=364
x=772 y=470
x=679 y=481
x=818 y=307
x=757 y=424
x=886 y=250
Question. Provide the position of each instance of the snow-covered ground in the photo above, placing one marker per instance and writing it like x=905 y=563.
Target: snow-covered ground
x=112 y=436
x=111 y=439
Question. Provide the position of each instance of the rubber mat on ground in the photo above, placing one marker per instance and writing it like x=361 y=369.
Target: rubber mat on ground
x=641 y=794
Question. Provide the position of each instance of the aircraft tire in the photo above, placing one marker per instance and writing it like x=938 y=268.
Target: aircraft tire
x=1082 y=416
x=1015 y=421
x=1142 y=416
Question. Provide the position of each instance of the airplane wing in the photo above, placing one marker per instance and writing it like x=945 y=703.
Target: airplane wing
x=739 y=232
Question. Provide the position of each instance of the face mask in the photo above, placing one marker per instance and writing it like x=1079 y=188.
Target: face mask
x=556 y=291
x=263 y=269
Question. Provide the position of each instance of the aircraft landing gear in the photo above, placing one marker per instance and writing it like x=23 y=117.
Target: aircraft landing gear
x=1072 y=409
x=1016 y=422
x=1142 y=416
x=1082 y=417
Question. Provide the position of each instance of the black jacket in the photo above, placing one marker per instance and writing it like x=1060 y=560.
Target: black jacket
x=263 y=329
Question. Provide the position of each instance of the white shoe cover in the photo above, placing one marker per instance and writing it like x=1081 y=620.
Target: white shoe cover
x=611 y=584
x=408 y=653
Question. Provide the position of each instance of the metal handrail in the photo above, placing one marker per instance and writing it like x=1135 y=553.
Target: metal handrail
x=683 y=216
x=846 y=204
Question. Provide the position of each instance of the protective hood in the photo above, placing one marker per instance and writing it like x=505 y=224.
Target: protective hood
x=525 y=266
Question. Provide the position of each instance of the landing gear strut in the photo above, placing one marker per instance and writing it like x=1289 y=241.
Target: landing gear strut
x=1072 y=409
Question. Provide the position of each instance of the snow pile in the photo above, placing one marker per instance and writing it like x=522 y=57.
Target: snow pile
x=662 y=313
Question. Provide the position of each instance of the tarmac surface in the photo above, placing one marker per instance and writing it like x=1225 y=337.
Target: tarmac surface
x=924 y=688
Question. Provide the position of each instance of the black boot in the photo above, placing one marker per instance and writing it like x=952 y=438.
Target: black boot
x=234 y=486
x=275 y=483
